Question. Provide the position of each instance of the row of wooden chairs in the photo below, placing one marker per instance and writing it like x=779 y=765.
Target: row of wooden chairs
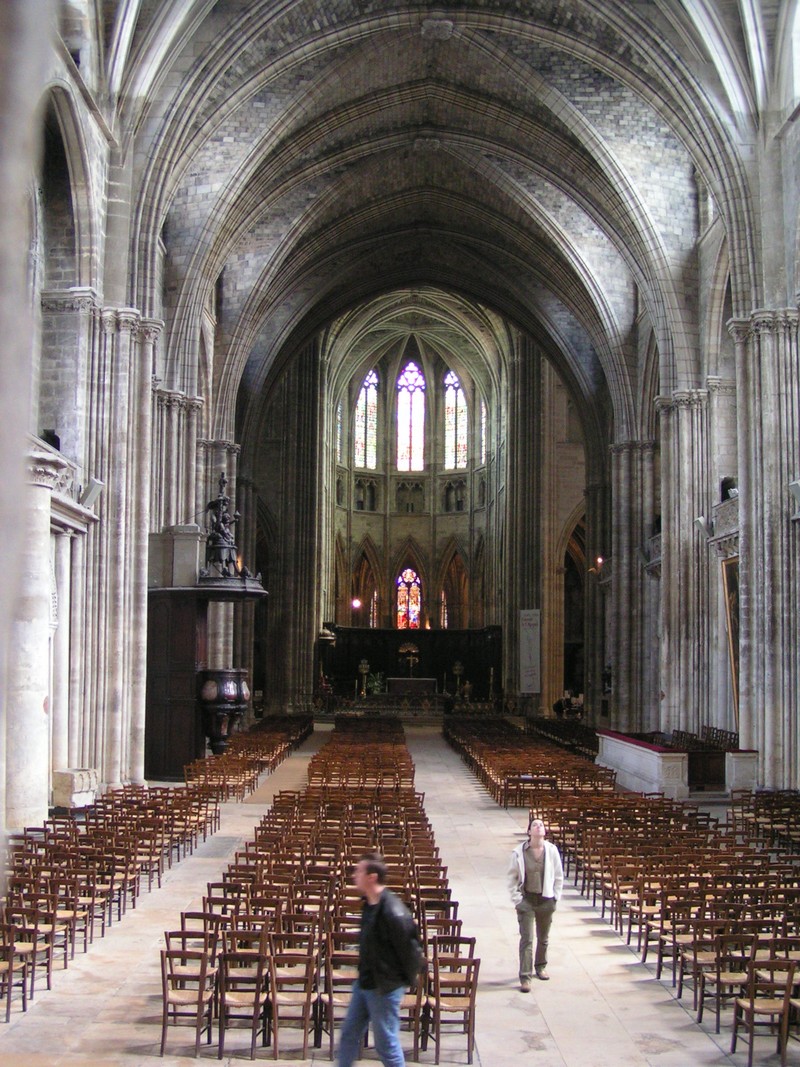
x=721 y=903
x=70 y=878
x=291 y=881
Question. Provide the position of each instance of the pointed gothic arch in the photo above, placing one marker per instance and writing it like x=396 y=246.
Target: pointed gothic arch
x=410 y=557
x=453 y=588
x=366 y=585
x=478 y=606
x=341 y=583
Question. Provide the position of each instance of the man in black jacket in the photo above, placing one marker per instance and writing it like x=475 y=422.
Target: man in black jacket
x=390 y=956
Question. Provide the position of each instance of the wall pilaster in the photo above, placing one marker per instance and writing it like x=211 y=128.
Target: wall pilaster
x=768 y=386
x=27 y=718
x=522 y=548
x=685 y=553
x=632 y=487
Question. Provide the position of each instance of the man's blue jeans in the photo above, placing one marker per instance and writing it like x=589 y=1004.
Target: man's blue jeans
x=382 y=1010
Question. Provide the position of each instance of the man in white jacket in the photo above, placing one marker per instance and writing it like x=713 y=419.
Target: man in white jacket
x=535 y=881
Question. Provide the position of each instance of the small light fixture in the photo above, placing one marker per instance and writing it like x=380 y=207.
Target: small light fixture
x=704 y=525
x=91 y=493
x=598 y=566
x=355 y=603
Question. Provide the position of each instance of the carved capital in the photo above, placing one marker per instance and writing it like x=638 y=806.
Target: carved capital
x=75 y=299
x=721 y=386
x=150 y=330
x=128 y=320
x=739 y=329
x=46 y=469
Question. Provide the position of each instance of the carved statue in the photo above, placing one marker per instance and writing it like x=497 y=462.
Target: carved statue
x=220 y=544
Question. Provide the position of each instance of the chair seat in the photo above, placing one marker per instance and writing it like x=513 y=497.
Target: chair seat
x=184 y=997
x=243 y=1000
x=762 y=1006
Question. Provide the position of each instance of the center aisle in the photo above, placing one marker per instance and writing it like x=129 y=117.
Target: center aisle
x=602 y=1007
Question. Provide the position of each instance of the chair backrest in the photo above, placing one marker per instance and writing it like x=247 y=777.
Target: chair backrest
x=244 y=974
x=771 y=979
x=192 y=941
x=456 y=978
x=445 y=948
x=252 y=942
x=181 y=966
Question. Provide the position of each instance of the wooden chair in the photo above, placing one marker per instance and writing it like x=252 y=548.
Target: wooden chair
x=292 y=984
x=339 y=972
x=34 y=938
x=187 y=988
x=728 y=976
x=13 y=969
x=243 y=994
x=767 y=1003
x=451 y=999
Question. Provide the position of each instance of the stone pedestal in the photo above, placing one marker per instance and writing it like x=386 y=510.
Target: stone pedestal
x=75 y=787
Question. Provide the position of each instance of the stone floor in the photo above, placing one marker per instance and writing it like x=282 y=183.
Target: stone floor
x=602 y=1008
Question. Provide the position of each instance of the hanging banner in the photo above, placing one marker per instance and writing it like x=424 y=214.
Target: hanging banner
x=530 y=675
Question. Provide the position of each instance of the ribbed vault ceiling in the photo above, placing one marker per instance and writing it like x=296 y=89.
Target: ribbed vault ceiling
x=538 y=159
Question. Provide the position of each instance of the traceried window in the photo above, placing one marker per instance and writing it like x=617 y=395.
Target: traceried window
x=339 y=433
x=365 y=443
x=409 y=600
x=443 y=610
x=411 y=419
x=373 y=610
x=455 y=423
x=484 y=431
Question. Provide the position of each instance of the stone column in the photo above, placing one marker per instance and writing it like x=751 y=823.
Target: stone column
x=597 y=542
x=552 y=551
x=631 y=466
x=118 y=531
x=194 y=406
x=60 y=687
x=768 y=391
x=77 y=660
x=143 y=388
x=27 y=726
x=685 y=554
x=522 y=550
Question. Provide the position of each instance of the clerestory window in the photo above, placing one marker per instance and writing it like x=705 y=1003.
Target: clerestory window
x=411 y=419
x=365 y=437
x=455 y=423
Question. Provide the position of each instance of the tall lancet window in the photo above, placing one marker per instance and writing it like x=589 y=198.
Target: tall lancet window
x=411 y=419
x=339 y=433
x=409 y=600
x=365 y=450
x=455 y=423
x=484 y=432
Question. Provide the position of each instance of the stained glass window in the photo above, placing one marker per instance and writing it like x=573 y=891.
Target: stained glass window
x=411 y=419
x=484 y=421
x=455 y=423
x=443 y=611
x=373 y=610
x=409 y=600
x=365 y=451
x=339 y=433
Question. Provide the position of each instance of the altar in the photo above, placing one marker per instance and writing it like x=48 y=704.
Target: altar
x=411 y=686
